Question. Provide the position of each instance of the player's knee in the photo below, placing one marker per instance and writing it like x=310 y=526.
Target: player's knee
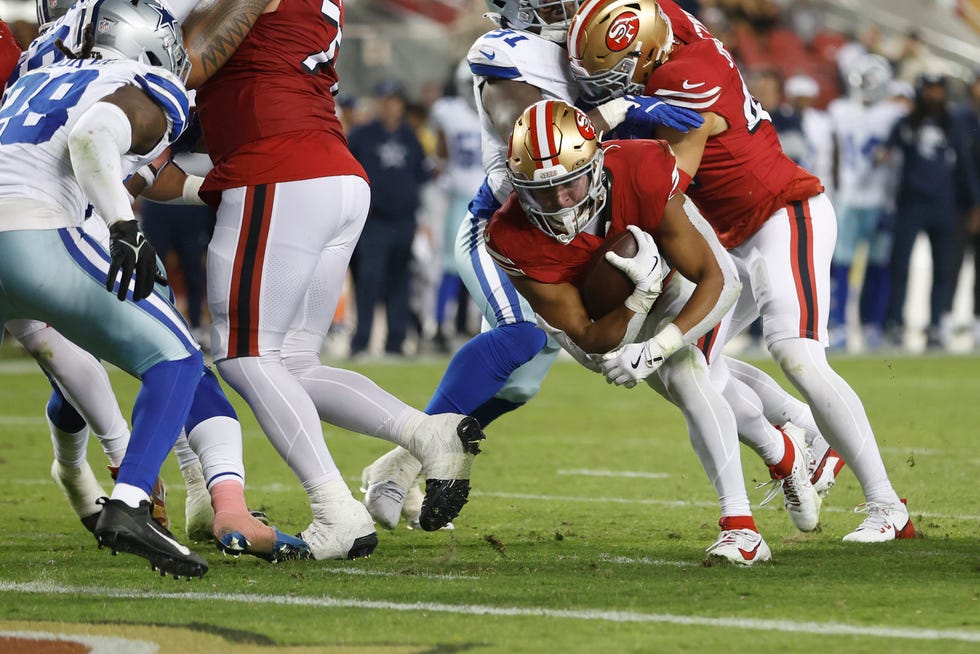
x=209 y=402
x=802 y=360
x=517 y=343
x=62 y=414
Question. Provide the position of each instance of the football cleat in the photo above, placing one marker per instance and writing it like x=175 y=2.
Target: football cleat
x=741 y=546
x=81 y=489
x=446 y=444
x=385 y=484
x=285 y=548
x=158 y=498
x=885 y=522
x=341 y=529
x=123 y=528
x=198 y=513
x=412 y=508
x=823 y=473
x=790 y=476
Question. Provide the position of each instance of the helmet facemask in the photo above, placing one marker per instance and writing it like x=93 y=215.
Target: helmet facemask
x=555 y=166
x=614 y=46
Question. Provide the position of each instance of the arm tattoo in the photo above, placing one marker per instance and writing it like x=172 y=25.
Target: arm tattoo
x=214 y=36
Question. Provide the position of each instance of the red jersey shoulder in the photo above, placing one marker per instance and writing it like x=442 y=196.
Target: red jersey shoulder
x=693 y=77
x=508 y=234
x=643 y=179
x=683 y=25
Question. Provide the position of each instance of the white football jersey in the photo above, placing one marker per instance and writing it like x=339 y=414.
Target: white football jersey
x=819 y=156
x=860 y=130
x=460 y=126
x=43 y=52
x=39 y=112
x=522 y=57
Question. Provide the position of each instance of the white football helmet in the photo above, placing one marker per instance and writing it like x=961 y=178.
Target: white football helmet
x=52 y=10
x=547 y=18
x=142 y=30
x=868 y=78
x=555 y=165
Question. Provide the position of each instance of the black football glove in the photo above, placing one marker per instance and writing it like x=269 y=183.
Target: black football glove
x=131 y=254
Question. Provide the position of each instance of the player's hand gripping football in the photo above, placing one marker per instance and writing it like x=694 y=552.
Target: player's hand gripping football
x=131 y=254
x=645 y=270
x=645 y=113
x=631 y=363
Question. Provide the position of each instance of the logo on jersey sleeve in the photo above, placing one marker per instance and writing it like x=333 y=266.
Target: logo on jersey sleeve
x=622 y=31
x=585 y=126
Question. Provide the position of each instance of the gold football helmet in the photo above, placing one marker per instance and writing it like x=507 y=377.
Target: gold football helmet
x=555 y=165
x=614 y=45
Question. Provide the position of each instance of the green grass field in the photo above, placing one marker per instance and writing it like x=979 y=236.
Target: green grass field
x=585 y=533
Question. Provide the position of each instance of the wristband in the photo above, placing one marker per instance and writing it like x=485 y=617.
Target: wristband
x=148 y=173
x=613 y=112
x=670 y=339
x=192 y=188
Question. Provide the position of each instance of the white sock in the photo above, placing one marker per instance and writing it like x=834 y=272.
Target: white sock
x=838 y=412
x=286 y=413
x=217 y=443
x=69 y=448
x=131 y=495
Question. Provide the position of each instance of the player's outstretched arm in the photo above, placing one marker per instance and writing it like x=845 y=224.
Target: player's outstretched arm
x=688 y=146
x=214 y=30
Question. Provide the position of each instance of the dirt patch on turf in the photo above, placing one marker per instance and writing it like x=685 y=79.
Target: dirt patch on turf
x=65 y=638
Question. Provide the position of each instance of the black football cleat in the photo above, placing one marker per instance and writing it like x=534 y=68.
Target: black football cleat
x=122 y=528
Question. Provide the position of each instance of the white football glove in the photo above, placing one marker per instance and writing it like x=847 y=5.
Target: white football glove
x=634 y=362
x=644 y=269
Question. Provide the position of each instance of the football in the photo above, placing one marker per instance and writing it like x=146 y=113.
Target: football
x=604 y=286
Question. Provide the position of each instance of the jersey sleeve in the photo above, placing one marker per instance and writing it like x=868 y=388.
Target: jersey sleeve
x=501 y=241
x=491 y=57
x=697 y=86
x=169 y=93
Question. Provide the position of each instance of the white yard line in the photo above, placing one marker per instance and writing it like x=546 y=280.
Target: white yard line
x=592 y=615
x=613 y=473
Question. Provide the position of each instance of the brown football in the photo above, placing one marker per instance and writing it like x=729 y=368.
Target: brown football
x=604 y=286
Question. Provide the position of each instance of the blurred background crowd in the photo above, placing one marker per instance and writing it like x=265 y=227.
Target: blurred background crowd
x=879 y=98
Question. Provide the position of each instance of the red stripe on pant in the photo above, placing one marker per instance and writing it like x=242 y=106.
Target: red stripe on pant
x=246 y=275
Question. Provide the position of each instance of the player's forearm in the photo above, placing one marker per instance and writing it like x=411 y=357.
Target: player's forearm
x=214 y=30
x=96 y=144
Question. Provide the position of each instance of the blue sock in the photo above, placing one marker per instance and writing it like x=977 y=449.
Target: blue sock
x=493 y=409
x=160 y=411
x=479 y=369
x=61 y=413
x=838 y=294
x=209 y=402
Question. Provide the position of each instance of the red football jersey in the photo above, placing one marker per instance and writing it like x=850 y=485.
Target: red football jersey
x=268 y=114
x=9 y=53
x=744 y=176
x=643 y=178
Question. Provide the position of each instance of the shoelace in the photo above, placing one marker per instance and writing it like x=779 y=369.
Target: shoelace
x=776 y=487
x=879 y=514
x=730 y=537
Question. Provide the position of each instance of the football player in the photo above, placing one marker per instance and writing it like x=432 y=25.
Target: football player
x=293 y=201
x=212 y=426
x=570 y=193
x=500 y=369
x=768 y=212
x=862 y=121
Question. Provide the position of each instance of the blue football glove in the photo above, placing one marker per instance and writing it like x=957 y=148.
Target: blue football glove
x=646 y=112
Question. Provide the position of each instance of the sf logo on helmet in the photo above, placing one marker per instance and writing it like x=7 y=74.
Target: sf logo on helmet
x=585 y=126
x=622 y=31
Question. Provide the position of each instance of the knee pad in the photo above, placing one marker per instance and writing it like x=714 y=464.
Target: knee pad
x=515 y=344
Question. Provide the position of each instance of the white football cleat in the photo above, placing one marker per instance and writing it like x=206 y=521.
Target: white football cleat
x=740 y=546
x=446 y=444
x=885 y=522
x=342 y=528
x=81 y=489
x=385 y=484
x=799 y=497
x=823 y=472
x=198 y=513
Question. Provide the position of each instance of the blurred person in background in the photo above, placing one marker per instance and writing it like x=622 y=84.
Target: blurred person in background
x=861 y=123
x=813 y=147
x=937 y=181
x=392 y=156
x=457 y=126
x=969 y=113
